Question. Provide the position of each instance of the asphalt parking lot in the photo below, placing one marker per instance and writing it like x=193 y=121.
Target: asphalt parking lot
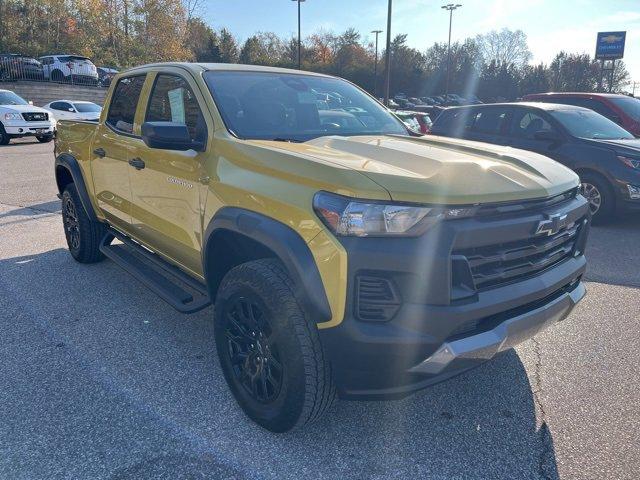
x=101 y=379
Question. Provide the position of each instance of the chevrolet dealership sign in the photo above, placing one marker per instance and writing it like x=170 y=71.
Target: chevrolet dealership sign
x=610 y=45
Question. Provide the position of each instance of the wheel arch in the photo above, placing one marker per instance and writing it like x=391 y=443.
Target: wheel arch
x=68 y=171
x=236 y=235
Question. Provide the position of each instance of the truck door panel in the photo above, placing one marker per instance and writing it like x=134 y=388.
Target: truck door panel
x=167 y=193
x=114 y=144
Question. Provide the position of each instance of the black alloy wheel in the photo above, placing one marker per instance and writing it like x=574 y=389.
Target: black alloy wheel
x=71 y=224
x=252 y=349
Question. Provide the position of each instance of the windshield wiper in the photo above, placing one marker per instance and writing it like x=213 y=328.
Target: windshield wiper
x=289 y=140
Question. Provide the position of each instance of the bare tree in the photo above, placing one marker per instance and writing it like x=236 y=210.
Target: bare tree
x=504 y=47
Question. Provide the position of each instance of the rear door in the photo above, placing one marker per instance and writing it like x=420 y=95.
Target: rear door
x=488 y=124
x=115 y=144
x=168 y=191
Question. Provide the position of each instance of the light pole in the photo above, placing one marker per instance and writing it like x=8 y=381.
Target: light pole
x=451 y=7
x=299 y=35
x=387 y=55
x=375 y=68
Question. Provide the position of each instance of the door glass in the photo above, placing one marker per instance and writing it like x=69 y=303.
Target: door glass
x=489 y=121
x=122 y=109
x=526 y=124
x=173 y=101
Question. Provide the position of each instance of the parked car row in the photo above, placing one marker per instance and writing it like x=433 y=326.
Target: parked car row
x=601 y=152
x=20 y=118
x=60 y=68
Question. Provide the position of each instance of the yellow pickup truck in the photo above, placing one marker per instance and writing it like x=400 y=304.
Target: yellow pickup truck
x=344 y=254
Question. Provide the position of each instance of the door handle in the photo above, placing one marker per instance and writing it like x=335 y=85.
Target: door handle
x=137 y=163
x=100 y=152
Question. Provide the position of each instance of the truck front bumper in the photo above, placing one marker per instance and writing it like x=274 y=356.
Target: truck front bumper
x=505 y=335
x=29 y=128
x=430 y=323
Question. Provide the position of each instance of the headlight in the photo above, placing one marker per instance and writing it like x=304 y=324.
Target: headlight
x=630 y=162
x=12 y=116
x=361 y=218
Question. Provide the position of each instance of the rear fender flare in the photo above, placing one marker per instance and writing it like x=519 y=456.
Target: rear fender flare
x=70 y=163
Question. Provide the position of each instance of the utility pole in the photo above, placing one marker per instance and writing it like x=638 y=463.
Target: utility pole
x=375 y=68
x=387 y=55
x=450 y=7
x=299 y=35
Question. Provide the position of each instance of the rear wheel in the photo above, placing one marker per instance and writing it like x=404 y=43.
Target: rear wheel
x=57 y=76
x=83 y=234
x=600 y=196
x=269 y=351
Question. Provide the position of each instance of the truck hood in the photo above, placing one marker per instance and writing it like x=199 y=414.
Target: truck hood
x=21 y=109
x=442 y=170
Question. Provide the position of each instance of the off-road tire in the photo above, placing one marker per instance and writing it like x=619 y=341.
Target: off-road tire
x=86 y=248
x=307 y=389
x=4 y=137
x=606 y=211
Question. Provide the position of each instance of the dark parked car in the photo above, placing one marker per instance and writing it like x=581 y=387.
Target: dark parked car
x=621 y=109
x=105 y=75
x=606 y=156
x=14 y=66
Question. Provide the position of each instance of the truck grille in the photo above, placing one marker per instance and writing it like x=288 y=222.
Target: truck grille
x=501 y=263
x=35 y=116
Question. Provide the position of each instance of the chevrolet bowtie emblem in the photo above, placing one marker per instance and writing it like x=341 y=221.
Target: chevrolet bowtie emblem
x=552 y=225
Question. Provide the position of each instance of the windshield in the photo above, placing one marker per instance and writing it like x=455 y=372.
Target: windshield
x=10 y=98
x=72 y=58
x=284 y=106
x=629 y=105
x=589 y=124
x=87 y=107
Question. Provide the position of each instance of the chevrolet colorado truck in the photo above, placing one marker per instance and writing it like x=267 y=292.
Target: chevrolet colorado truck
x=344 y=255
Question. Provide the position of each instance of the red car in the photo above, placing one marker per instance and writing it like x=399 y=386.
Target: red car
x=622 y=109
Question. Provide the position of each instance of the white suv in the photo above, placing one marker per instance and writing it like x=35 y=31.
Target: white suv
x=69 y=69
x=18 y=118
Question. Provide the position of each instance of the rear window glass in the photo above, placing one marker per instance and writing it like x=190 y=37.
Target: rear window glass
x=454 y=122
x=122 y=109
x=489 y=121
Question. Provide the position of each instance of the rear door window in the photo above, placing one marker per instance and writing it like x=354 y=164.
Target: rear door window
x=489 y=121
x=122 y=110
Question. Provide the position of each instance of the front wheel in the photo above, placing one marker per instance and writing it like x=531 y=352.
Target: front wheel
x=44 y=138
x=269 y=350
x=600 y=196
x=4 y=137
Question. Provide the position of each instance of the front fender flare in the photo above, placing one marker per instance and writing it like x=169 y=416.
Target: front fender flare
x=285 y=243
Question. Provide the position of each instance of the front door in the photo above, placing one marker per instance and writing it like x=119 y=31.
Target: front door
x=168 y=188
x=114 y=145
x=525 y=123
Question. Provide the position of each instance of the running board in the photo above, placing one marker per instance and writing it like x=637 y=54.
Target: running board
x=182 y=292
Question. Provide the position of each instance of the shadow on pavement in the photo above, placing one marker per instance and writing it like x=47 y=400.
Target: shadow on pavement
x=138 y=390
x=36 y=209
x=612 y=252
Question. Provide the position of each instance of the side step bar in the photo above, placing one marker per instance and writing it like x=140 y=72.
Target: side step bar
x=182 y=292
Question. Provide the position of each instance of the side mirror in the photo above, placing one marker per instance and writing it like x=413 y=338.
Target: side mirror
x=547 y=136
x=168 y=136
x=71 y=110
x=30 y=102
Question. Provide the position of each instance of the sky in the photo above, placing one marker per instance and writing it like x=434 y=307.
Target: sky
x=550 y=25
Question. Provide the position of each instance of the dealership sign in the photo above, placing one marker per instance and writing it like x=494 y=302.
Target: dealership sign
x=610 y=45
